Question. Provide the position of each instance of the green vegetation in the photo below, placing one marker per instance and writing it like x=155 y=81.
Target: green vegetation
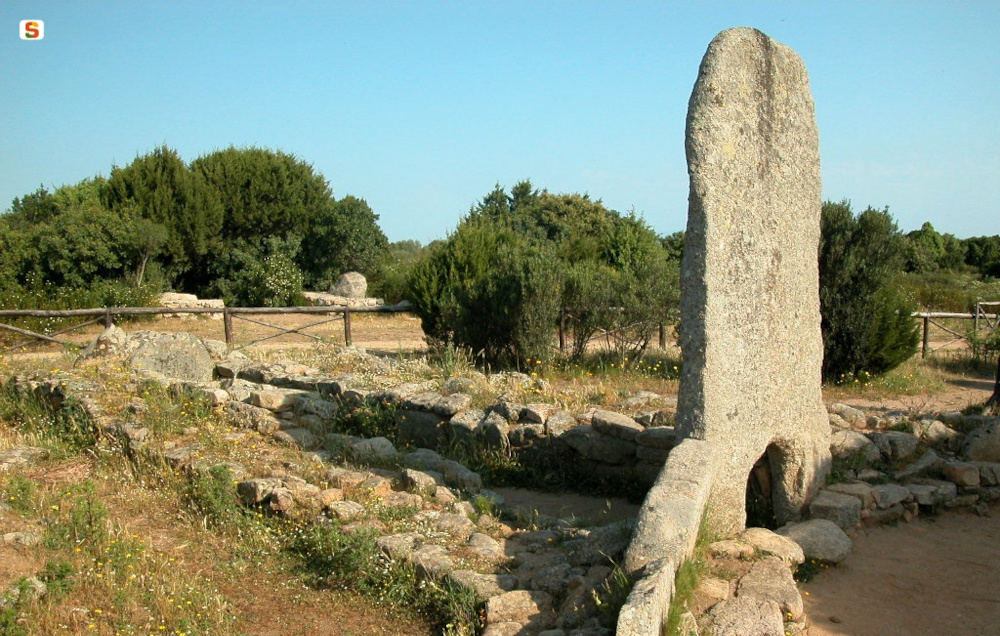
x=865 y=318
x=231 y=223
x=498 y=284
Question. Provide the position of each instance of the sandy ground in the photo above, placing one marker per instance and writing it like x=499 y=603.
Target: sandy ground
x=937 y=575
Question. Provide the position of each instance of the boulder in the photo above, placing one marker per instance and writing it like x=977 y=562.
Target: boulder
x=178 y=356
x=350 y=285
x=110 y=344
x=983 y=444
x=845 y=443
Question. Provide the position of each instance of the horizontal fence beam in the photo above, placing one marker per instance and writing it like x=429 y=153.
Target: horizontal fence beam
x=152 y=311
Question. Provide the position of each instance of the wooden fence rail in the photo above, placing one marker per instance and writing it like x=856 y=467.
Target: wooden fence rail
x=930 y=318
x=107 y=316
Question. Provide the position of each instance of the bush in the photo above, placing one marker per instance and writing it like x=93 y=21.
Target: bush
x=490 y=290
x=865 y=319
x=261 y=273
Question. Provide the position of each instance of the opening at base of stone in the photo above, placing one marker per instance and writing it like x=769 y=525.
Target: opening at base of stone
x=760 y=498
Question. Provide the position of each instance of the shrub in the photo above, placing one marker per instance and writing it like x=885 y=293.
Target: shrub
x=261 y=273
x=865 y=319
x=490 y=290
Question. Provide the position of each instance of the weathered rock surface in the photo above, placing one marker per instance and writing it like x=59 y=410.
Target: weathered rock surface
x=350 y=285
x=819 y=538
x=750 y=325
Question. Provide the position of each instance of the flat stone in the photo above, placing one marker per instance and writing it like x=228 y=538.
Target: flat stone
x=819 y=539
x=590 y=443
x=854 y=417
x=864 y=492
x=450 y=405
x=399 y=547
x=770 y=579
x=732 y=549
x=934 y=432
x=375 y=449
x=484 y=585
x=766 y=542
x=559 y=422
x=888 y=495
x=536 y=413
x=455 y=524
x=843 y=510
x=522 y=607
x=22 y=538
x=433 y=560
x=422 y=482
x=747 y=616
x=961 y=473
x=933 y=492
x=846 y=443
x=345 y=511
x=616 y=425
x=663 y=437
x=927 y=462
x=879 y=516
x=422 y=401
x=300 y=437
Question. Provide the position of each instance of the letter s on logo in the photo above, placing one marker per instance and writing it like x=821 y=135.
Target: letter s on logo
x=32 y=29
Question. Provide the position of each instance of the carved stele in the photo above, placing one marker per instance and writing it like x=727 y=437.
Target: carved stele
x=750 y=322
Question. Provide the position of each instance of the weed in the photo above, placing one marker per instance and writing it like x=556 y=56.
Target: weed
x=808 y=569
x=370 y=420
x=211 y=494
x=484 y=506
x=64 y=431
x=81 y=519
x=614 y=592
x=20 y=495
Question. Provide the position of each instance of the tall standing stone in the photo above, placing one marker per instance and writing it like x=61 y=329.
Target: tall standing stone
x=750 y=321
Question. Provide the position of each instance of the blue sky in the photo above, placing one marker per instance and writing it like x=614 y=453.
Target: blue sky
x=421 y=107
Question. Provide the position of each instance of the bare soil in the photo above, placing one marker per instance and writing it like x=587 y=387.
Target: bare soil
x=936 y=575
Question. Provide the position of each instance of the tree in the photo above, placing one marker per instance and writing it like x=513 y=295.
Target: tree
x=263 y=192
x=160 y=188
x=343 y=237
x=496 y=286
x=865 y=322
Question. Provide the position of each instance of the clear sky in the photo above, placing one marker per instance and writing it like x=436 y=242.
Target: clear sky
x=421 y=107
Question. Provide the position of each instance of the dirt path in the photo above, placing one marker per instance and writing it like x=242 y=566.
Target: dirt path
x=937 y=576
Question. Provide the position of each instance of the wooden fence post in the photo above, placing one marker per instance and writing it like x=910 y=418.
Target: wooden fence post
x=927 y=328
x=347 y=326
x=227 y=325
x=663 y=336
x=562 y=330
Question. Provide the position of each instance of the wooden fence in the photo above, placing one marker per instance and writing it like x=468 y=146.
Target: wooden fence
x=979 y=318
x=107 y=315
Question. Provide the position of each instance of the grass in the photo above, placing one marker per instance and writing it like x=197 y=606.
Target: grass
x=138 y=548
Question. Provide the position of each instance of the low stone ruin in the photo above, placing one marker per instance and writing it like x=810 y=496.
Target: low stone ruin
x=542 y=575
x=174 y=300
